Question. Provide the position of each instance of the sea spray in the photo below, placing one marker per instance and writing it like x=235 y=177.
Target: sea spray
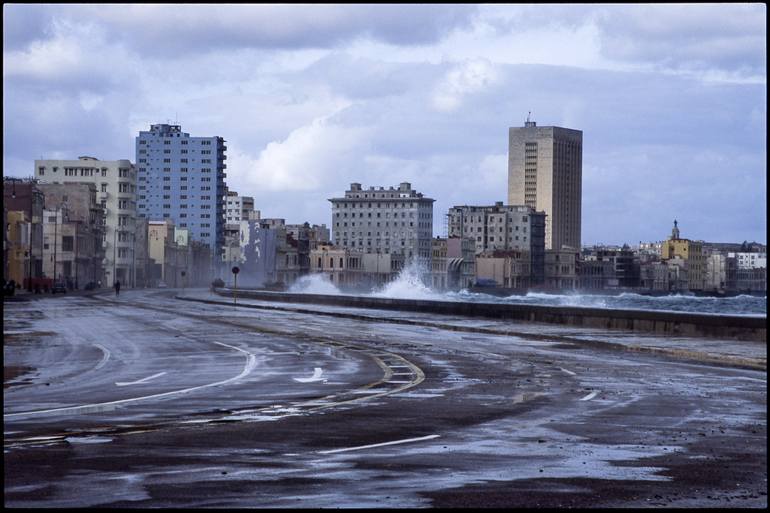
x=737 y=305
x=314 y=284
x=410 y=284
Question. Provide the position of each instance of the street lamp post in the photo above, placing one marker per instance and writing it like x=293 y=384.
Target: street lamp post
x=114 y=253
x=55 y=235
x=76 y=254
x=133 y=256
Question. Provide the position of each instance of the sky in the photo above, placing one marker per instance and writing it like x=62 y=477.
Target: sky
x=671 y=99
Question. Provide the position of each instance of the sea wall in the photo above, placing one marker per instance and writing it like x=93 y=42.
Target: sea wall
x=665 y=323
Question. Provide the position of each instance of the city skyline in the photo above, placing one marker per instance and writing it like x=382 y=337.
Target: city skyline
x=312 y=99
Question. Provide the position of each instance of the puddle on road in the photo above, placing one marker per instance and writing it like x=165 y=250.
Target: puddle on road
x=88 y=439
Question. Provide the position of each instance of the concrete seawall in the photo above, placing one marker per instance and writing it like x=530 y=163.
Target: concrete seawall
x=665 y=323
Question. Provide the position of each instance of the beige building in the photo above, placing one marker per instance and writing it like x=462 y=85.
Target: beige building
x=115 y=182
x=167 y=258
x=509 y=269
x=691 y=253
x=343 y=266
x=453 y=263
x=545 y=172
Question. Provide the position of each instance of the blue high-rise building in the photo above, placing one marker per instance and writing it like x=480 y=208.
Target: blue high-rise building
x=182 y=178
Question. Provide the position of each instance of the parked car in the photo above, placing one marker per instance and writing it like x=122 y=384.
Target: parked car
x=90 y=286
x=58 y=286
x=162 y=285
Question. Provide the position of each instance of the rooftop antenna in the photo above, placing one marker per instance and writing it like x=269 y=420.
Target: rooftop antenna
x=529 y=123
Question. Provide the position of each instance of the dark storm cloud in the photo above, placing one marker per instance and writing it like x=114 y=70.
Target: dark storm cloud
x=170 y=30
x=23 y=24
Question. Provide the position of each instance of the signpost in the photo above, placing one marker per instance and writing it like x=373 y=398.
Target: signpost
x=235 y=282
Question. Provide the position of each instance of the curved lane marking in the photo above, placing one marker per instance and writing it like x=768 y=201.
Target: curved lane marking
x=104 y=358
x=407 y=440
x=591 y=395
x=251 y=362
x=143 y=380
x=315 y=377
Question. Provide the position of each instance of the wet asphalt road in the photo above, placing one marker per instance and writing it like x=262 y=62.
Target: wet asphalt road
x=148 y=401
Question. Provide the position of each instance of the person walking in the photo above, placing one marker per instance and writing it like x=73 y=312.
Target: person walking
x=117 y=287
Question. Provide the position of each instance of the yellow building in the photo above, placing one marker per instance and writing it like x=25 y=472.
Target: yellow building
x=691 y=252
x=18 y=246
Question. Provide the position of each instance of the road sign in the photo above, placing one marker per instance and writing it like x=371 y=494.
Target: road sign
x=236 y=270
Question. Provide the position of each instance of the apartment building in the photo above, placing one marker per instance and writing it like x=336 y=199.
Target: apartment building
x=501 y=227
x=115 y=182
x=379 y=220
x=73 y=234
x=182 y=179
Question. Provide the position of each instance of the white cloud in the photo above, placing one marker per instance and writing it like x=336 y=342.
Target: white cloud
x=469 y=77
x=90 y=101
x=310 y=157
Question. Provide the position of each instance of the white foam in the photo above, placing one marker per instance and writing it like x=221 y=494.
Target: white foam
x=410 y=284
x=314 y=284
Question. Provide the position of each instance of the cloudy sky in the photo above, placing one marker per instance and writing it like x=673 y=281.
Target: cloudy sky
x=671 y=99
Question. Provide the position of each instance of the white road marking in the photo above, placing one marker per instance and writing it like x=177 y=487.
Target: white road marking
x=315 y=377
x=567 y=372
x=251 y=362
x=104 y=358
x=408 y=440
x=143 y=380
x=591 y=395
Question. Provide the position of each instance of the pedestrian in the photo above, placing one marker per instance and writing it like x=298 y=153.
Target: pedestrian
x=117 y=287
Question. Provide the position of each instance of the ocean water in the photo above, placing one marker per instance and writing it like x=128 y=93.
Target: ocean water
x=410 y=285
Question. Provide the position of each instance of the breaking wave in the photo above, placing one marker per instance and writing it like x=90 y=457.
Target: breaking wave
x=736 y=305
x=412 y=283
x=315 y=284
